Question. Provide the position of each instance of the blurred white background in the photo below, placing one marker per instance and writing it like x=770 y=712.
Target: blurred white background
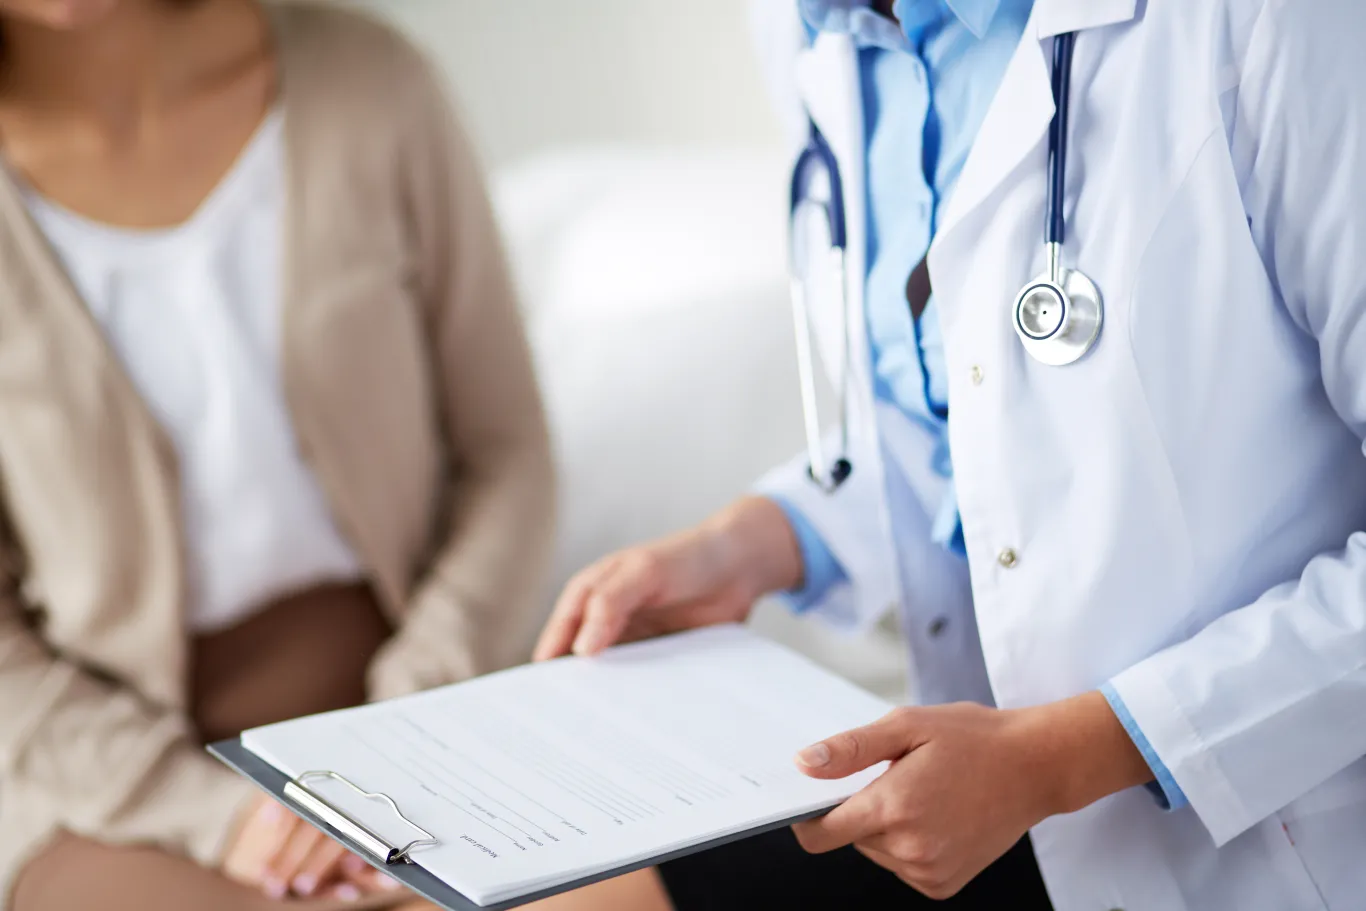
x=532 y=75
x=640 y=174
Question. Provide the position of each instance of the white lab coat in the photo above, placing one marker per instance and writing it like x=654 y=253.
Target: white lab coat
x=1186 y=504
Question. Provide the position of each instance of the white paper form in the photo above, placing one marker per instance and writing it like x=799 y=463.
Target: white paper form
x=543 y=774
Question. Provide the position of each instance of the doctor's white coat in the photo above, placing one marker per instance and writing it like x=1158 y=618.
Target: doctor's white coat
x=1182 y=511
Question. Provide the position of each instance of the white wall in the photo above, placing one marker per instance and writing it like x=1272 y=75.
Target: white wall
x=532 y=74
x=640 y=173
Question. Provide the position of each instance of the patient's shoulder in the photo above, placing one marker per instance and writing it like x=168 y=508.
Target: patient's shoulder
x=351 y=65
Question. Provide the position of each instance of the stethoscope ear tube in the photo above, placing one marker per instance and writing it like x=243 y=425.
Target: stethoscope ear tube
x=815 y=158
x=829 y=476
x=818 y=156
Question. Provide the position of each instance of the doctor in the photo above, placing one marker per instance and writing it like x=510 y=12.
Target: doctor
x=1122 y=520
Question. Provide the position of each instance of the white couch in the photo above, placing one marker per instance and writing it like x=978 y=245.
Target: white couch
x=656 y=301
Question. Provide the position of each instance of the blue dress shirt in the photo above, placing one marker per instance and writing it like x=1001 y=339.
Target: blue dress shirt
x=926 y=84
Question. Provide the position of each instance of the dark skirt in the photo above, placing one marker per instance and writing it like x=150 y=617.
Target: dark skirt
x=772 y=871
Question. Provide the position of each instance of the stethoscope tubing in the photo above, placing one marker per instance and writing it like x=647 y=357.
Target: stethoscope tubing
x=819 y=157
x=818 y=152
x=1054 y=222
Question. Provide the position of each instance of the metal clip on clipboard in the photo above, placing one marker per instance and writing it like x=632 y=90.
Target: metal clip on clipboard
x=365 y=838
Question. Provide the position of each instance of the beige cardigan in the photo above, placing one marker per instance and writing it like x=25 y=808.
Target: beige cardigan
x=411 y=390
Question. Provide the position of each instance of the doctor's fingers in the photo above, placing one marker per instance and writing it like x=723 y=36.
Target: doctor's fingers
x=661 y=618
x=629 y=585
x=890 y=737
x=567 y=617
x=558 y=635
x=857 y=819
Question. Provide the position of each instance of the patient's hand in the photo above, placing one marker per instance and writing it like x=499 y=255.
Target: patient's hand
x=280 y=854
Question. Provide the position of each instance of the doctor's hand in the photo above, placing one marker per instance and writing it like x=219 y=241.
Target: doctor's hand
x=712 y=573
x=966 y=782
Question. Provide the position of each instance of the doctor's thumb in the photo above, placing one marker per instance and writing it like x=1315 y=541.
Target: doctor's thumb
x=855 y=750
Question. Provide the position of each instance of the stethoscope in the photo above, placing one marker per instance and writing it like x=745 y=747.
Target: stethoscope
x=1057 y=316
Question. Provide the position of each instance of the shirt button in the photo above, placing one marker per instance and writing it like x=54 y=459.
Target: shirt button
x=976 y=374
x=937 y=626
x=1008 y=558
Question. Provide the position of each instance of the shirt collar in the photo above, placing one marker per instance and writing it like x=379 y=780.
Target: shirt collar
x=1058 y=16
x=976 y=15
x=856 y=18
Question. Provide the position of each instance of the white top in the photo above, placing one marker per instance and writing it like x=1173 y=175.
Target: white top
x=193 y=312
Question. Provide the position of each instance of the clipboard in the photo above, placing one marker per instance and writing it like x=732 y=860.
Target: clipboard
x=396 y=860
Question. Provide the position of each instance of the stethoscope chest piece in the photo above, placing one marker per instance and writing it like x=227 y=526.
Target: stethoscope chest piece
x=1058 y=316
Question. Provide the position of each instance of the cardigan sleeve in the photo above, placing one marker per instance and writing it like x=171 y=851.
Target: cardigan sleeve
x=103 y=762
x=477 y=606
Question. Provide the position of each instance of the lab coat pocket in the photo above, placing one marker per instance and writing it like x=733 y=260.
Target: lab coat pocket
x=1326 y=828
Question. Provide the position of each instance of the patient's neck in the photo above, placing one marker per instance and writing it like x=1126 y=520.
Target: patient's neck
x=142 y=56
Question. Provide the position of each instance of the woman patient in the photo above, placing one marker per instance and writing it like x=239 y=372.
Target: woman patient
x=270 y=442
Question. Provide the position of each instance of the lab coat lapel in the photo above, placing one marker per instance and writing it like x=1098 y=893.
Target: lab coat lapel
x=1015 y=129
x=827 y=79
x=1017 y=122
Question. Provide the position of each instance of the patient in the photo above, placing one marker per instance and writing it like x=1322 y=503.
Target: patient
x=270 y=442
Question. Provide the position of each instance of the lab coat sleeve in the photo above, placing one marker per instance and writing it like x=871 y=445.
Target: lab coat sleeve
x=1300 y=139
x=892 y=481
x=1163 y=787
x=850 y=523
x=842 y=530
x=820 y=570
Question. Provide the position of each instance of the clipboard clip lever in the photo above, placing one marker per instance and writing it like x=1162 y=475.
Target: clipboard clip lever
x=365 y=838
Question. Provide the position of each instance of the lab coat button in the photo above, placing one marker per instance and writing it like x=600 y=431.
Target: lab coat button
x=976 y=375
x=937 y=626
x=1008 y=558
